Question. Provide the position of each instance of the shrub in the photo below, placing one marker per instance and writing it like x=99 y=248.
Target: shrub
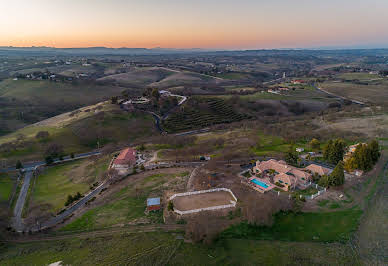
x=170 y=206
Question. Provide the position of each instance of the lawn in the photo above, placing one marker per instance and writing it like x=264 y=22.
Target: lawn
x=6 y=186
x=324 y=226
x=163 y=249
x=57 y=182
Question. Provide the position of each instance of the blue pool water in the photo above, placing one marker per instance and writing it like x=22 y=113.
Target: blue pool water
x=259 y=183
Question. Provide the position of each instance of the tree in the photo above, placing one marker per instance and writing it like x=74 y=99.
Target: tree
x=113 y=99
x=19 y=165
x=315 y=144
x=72 y=155
x=54 y=150
x=337 y=177
x=49 y=160
x=374 y=150
x=170 y=206
x=292 y=156
x=327 y=149
x=42 y=135
x=334 y=151
x=324 y=181
x=155 y=94
x=142 y=167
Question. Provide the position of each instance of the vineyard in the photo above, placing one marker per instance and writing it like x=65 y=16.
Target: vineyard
x=200 y=113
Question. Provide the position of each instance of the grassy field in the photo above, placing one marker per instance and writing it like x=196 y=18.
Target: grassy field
x=358 y=76
x=126 y=205
x=27 y=101
x=6 y=186
x=164 y=249
x=57 y=182
x=78 y=132
x=324 y=226
x=376 y=93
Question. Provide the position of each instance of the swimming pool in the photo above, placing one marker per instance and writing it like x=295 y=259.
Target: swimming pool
x=259 y=183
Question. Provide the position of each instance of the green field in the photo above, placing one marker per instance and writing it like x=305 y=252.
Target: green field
x=28 y=101
x=57 y=182
x=78 y=134
x=124 y=206
x=323 y=226
x=6 y=186
x=164 y=249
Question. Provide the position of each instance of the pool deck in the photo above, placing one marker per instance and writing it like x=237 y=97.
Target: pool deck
x=260 y=188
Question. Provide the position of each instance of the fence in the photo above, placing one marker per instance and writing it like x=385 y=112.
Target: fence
x=321 y=190
x=231 y=205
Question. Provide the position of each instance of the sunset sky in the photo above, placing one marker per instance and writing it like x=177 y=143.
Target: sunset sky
x=217 y=24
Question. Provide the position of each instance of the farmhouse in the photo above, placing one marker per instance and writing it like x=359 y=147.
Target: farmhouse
x=126 y=159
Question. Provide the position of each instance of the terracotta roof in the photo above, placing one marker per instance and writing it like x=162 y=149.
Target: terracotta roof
x=278 y=166
x=300 y=174
x=289 y=179
x=126 y=156
x=318 y=169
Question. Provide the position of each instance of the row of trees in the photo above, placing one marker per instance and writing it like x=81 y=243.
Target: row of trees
x=364 y=157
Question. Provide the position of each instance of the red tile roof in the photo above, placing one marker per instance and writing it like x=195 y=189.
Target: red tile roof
x=126 y=156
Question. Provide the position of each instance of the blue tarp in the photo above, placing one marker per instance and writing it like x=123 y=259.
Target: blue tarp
x=153 y=201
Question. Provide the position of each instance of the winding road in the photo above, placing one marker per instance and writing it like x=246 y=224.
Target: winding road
x=17 y=220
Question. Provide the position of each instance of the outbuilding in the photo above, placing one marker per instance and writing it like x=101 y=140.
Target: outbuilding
x=153 y=204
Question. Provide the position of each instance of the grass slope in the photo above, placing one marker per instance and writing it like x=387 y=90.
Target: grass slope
x=163 y=249
x=6 y=186
x=325 y=226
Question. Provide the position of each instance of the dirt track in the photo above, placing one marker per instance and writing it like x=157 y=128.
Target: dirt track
x=203 y=200
x=106 y=232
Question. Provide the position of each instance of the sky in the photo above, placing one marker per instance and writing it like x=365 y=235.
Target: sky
x=213 y=24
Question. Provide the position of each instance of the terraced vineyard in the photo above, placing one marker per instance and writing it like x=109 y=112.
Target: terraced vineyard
x=204 y=113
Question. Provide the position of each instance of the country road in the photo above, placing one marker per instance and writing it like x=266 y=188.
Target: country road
x=30 y=166
x=337 y=96
x=17 y=220
x=59 y=218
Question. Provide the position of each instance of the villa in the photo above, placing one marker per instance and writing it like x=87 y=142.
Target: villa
x=283 y=175
x=126 y=158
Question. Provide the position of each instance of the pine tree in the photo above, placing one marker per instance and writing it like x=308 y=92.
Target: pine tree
x=327 y=149
x=375 y=150
x=337 y=177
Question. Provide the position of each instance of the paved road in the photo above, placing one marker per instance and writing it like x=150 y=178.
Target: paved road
x=32 y=165
x=17 y=220
x=59 y=218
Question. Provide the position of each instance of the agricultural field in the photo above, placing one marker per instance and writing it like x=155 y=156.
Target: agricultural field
x=200 y=113
x=52 y=187
x=375 y=92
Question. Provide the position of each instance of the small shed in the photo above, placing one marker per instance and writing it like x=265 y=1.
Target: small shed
x=153 y=204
